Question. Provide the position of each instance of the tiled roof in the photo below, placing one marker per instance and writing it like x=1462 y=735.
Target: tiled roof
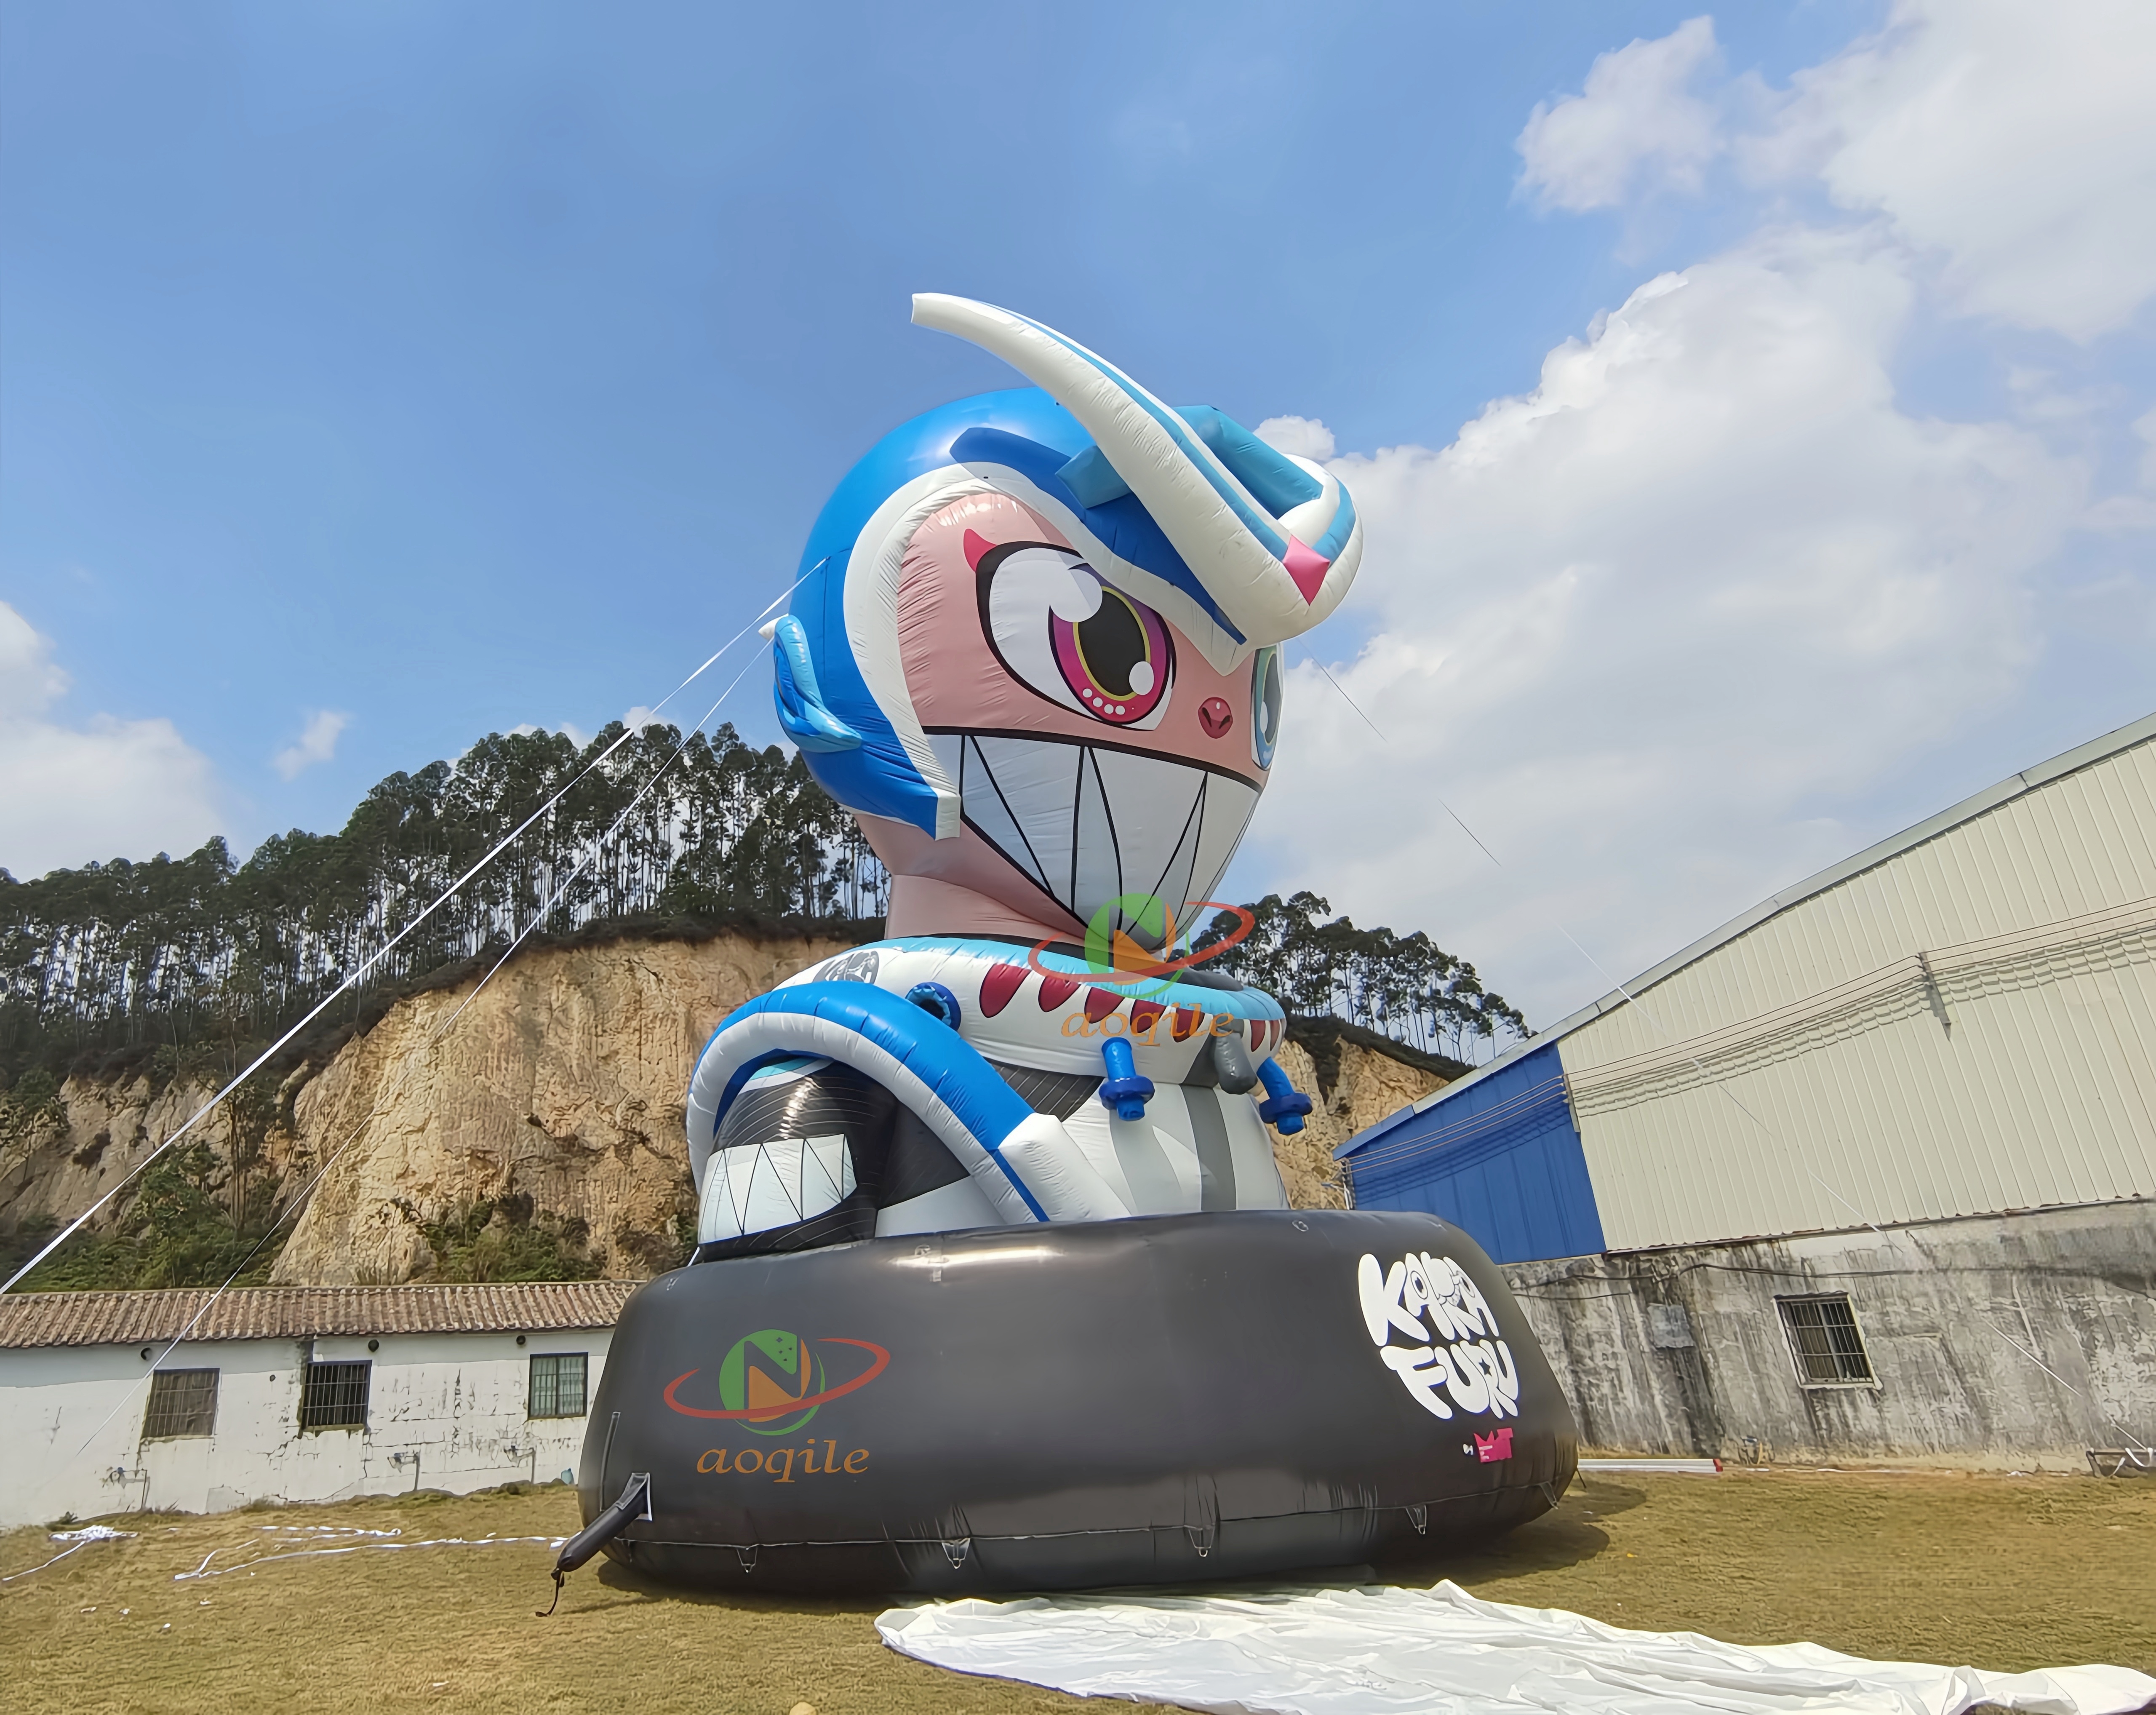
x=30 y=1319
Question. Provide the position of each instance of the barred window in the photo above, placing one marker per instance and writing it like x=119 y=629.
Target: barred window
x=1825 y=1341
x=335 y=1396
x=557 y=1385
x=182 y=1402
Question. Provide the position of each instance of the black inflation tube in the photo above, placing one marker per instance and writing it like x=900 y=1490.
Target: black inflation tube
x=635 y=1503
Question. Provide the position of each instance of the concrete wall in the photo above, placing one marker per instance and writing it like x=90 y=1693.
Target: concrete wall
x=1942 y=1306
x=456 y=1400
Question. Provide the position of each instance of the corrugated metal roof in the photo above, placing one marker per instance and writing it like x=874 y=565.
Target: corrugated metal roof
x=32 y=1319
x=1968 y=1028
x=2097 y=750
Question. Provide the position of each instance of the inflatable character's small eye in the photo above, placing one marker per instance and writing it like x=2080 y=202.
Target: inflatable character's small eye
x=1264 y=704
x=1065 y=632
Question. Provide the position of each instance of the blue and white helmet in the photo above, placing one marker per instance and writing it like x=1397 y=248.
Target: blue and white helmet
x=1240 y=545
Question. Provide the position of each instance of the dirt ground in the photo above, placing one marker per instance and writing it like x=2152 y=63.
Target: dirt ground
x=2008 y=1573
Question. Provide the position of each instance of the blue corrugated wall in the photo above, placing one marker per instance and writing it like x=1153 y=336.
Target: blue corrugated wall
x=1501 y=1160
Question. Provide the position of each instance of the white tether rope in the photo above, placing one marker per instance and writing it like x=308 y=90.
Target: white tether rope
x=397 y=1087
x=210 y=1106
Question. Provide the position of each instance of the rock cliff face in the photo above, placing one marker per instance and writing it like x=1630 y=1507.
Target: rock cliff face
x=555 y=1092
x=57 y=1160
x=561 y=1082
x=1353 y=1085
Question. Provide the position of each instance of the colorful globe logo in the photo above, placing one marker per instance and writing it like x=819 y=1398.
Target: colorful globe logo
x=1115 y=957
x=771 y=1382
x=768 y=1375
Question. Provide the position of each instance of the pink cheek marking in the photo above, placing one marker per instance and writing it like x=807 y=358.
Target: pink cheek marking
x=1215 y=716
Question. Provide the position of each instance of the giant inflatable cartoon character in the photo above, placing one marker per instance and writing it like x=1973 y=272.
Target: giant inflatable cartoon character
x=995 y=1284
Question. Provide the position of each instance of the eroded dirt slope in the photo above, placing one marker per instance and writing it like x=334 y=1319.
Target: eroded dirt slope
x=558 y=1094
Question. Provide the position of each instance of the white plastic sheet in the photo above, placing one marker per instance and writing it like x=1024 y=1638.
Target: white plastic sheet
x=1381 y=1650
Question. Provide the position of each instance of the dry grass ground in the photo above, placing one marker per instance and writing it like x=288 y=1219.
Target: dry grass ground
x=2009 y=1573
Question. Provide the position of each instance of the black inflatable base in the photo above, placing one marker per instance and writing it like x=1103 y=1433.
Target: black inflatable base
x=1140 y=1402
x=1243 y=1548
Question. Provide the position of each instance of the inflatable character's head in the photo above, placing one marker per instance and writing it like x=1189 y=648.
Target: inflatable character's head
x=1036 y=646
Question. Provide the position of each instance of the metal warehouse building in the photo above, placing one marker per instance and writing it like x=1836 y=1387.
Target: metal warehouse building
x=1867 y=1170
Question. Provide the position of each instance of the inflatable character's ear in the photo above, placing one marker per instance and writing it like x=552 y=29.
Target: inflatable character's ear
x=802 y=710
x=1274 y=540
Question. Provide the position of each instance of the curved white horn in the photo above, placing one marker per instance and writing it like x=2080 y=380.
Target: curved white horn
x=1271 y=586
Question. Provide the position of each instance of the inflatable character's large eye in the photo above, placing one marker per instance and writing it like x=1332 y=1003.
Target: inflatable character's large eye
x=1064 y=631
x=1265 y=704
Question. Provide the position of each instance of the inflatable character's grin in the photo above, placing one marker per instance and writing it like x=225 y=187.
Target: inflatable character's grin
x=1087 y=822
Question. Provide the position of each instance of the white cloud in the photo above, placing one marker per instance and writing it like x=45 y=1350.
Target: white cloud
x=1634 y=126
x=2121 y=513
x=1650 y=627
x=2015 y=144
x=75 y=795
x=317 y=744
x=1305 y=437
x=2018 y=142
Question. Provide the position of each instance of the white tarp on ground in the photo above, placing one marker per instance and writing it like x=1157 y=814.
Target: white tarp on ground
x=1381 y=1650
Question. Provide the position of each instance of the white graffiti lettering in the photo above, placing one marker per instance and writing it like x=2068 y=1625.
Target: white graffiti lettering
x=1423 y=1378
x=1468 y=1359
x=1465 y=1377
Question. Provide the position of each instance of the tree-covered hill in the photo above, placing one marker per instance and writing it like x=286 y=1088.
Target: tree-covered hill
x=202 y=952
x=189 y=967
x=1403 y=986
x=211 y=959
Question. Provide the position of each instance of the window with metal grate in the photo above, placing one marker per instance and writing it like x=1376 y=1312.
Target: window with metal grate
x=334 y=1396
x=182 y=1402
x=1825 y=1341
x=557 y=1385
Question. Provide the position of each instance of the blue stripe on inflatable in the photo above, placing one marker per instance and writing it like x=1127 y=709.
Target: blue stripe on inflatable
x=1123 y=525
x=1275 y=480
x=1178 y=431
x=1328 y=546
x=950 y=1067
x=879 y=776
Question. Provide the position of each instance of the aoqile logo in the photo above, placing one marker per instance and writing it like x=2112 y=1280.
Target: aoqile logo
x=1458 y=1357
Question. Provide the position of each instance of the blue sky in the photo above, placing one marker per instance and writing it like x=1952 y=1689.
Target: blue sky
x=442 y=368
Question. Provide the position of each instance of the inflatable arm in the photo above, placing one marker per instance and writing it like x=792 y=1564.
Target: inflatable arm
x=1024 y=1161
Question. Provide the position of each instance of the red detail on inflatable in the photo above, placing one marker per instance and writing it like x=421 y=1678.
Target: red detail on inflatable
x=1491 y=1448
x=1302 y=564
x=1101 y=1002
x=1215 y=716
x=1145 y=1014
x=763 y=1413
x=1055 y=989
x=997 y=987
x=1188 y=1019
x=978 y=545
